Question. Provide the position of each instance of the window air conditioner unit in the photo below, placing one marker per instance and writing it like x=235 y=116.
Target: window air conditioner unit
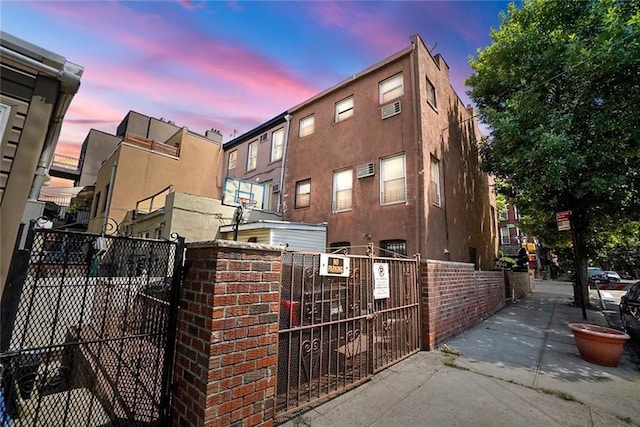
x=276 y=187
x=364 y=171
x=390 y=110
x=263 y=137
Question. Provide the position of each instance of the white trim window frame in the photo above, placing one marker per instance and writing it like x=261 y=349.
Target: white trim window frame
x=436 y=196
x=307 y=126
x=344 y=109
x=277 y=144
x=233 y=159
x=431 y=94
x=391 y=88
x=343 y=190
x=393 y=180
x=303 y=194
x=505 y=236
x=504 y=214
x=252 y=156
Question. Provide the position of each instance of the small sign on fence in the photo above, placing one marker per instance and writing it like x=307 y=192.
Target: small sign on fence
x=380 y=280
x=334 y=265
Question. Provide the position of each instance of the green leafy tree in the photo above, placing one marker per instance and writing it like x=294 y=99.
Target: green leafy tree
x=559 y=87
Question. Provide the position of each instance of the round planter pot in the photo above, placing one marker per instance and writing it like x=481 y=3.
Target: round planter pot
x=597 y=344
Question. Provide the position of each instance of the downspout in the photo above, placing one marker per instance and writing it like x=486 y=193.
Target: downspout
x=288 y=118
x=419 y=166
x=107 y=202
x=69 y=78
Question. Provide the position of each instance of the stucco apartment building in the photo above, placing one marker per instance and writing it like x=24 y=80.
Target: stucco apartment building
x=389 y=157
x=154 y=158
x=36 y=89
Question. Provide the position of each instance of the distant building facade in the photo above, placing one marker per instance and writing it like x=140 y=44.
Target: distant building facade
x=141 y=167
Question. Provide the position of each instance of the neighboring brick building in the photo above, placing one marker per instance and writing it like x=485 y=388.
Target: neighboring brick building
x=389 y=156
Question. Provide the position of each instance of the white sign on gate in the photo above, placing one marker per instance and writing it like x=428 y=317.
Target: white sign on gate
x=380 y=280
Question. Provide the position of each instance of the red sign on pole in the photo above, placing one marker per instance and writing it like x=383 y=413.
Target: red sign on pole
x=564 y=220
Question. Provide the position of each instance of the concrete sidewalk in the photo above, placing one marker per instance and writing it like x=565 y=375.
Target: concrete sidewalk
x=519 y=367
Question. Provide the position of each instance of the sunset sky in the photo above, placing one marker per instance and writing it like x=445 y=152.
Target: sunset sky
x=232 y=65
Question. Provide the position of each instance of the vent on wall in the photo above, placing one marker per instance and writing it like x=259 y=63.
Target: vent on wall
x=263 y=137
x=364 y=171
x=276 y=187
x=390 y=110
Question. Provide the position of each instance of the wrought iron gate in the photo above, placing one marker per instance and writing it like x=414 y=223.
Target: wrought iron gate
x=334 y=332
x=88 y=330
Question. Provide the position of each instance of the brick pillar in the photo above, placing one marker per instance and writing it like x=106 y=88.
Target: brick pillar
x=228 y=335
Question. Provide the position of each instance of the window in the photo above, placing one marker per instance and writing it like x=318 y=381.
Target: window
x=339 y=247
x=252 y=156
x=392 y=180
x=393 y=248
x=106 y=198
x=504 y=214
x=5 y=112
x=96 y=206
x=391 y=88
x=344 y=109
x=505 y=237
x=435 y=182
x=306 y=126
x=277 y=143
x=303 y=193
x=233 y=159
x=342 y=190
x=431 y=94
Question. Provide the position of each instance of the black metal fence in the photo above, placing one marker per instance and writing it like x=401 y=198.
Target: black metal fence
x=88 y=330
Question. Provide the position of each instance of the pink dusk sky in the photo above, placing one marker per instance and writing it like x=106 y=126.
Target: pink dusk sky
x=232 y=65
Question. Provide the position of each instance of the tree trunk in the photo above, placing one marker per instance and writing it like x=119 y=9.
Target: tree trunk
x=581 y=287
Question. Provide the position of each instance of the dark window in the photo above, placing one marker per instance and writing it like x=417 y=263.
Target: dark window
x=335 y=246
x=95 y=206
x=392 y=248
x=473 y=257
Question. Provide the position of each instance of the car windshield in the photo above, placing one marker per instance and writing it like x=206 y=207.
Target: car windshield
x=595 y=271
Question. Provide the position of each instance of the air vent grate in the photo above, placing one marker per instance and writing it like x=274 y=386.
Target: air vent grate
x=391 y=110
x=364 y=171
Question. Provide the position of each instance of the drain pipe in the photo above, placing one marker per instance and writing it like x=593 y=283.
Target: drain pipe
x=69 y=77
x=288 y=118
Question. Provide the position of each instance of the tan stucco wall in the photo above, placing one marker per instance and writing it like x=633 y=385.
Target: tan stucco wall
x=141 y=173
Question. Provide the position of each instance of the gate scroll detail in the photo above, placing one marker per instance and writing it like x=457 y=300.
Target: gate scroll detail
x=333 y=334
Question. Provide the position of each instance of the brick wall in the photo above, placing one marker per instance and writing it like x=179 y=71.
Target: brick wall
x=455 y=297
x=227 y=335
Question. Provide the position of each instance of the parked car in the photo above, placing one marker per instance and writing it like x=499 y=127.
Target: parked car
x=612 y=276
x=630 y=311
x=596 y=273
